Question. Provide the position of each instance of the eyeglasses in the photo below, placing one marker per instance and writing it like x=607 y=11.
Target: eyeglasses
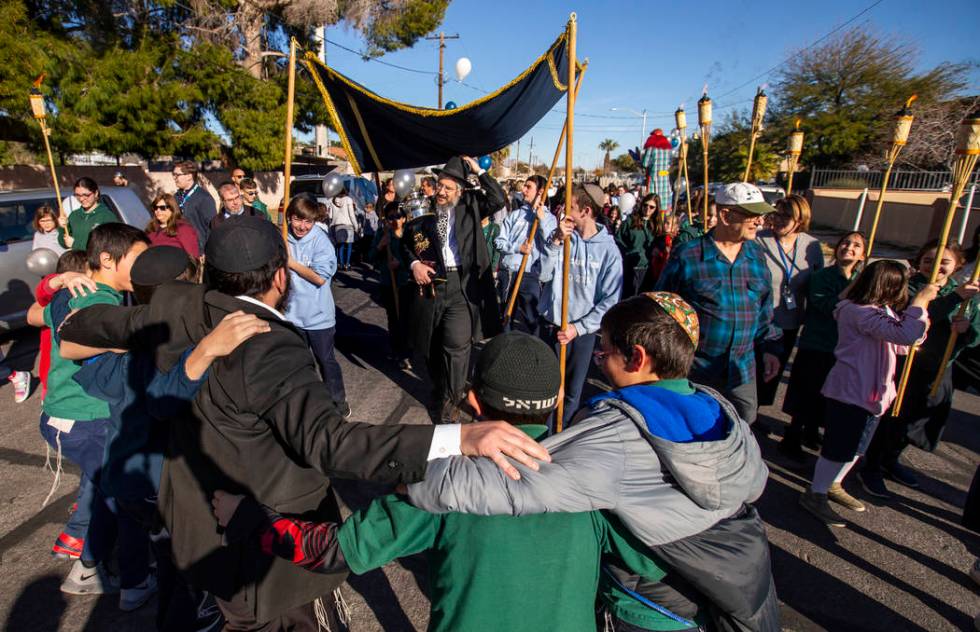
x=231 y=199
x=177 y=174
x=161 y=207
x=84 y=195
x=598 y=357
x=653 y=206
x=451 y=188
x=301 y=222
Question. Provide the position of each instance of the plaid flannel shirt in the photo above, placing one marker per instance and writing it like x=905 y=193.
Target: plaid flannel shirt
x=734 y=306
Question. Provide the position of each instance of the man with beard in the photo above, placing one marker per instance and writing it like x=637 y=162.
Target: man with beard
x=461 y=307
x=263 y=424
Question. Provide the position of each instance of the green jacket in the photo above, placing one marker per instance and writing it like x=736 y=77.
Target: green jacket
x=941 y=312
x=81 y=223
x=261 y=207
x=823 y=294
x=379 y=257
x=526 y=573
x=636 y=244
x=65 y=397
x=687 y=232
x=490 y=233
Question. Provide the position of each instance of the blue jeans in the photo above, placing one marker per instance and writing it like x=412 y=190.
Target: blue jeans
x=343 y=254
x=77 y=525
x=84 y=446
x=321 y=343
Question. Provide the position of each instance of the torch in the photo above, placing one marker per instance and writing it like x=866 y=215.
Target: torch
x=903 y=123
x=795 y=149
x=704 y=121
x=967 y=151
x=40 y=114
x=758 y=113
x=680 y=118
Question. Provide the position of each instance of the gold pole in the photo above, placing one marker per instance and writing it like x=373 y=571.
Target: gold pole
x=758 y=114
x=542 y=195
x=680 y=119
x=54 y=175
x=953 y=335
x=967 y=152
x=900 y=136
x=795 y=149
x=704 y=120
x=567 y=245
x=288 y=163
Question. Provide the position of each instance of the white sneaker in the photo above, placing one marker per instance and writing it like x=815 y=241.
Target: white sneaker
x=89 y=581
x=22 y=385
x=132 y=598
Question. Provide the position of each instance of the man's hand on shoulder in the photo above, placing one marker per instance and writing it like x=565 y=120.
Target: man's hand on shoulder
x=497 y=440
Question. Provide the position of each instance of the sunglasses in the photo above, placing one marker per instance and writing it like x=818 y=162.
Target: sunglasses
x=649 y=206
x=161 y=207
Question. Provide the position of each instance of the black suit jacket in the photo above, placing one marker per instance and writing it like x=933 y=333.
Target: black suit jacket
x=475 y=273
x=199 y=209
x=262 y=424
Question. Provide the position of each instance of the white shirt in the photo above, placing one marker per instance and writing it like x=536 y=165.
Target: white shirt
x=450 y=249
x=446 y=438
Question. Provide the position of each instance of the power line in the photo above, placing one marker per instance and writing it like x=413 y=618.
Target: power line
x=766 y=72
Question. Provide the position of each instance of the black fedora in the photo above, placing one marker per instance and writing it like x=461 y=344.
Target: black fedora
x=455 y=169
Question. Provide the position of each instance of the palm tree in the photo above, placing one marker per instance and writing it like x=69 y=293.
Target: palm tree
x=607 y=146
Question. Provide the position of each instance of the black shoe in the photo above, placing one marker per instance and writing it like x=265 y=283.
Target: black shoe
x=344 y=409
x=901 y=474
x=873 y=484
x=812 y=442
x=791 y=449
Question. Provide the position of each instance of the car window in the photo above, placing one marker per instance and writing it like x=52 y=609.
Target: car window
x=17 y=218
x=771 y=196
x=111 y=205
x=312 y=187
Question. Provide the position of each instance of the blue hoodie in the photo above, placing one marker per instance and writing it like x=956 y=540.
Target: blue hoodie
x=674 y=411
x=312 y=307
x=596 y=275
x=513 y=233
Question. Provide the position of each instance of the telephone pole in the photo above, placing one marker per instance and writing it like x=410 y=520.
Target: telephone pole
x=442 y=47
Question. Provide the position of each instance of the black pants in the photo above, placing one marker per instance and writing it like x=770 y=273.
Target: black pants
x=449 y=354
x=397 y=319
x=526 y=313
x=578 y=358
x=321 y=343
x=742 y=397
x=803 y=402
x=633 y=277
x=238 y=616
x=767 y=390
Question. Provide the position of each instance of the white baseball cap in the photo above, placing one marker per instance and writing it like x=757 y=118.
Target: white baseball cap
x=743 y=196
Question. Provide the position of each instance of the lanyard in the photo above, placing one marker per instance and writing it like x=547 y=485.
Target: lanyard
x=788 y=266
x=646 y=602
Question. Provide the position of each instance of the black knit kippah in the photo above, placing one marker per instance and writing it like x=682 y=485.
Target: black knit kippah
x=517 y=372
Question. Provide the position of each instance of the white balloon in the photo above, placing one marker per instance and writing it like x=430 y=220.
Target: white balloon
x=333 y=184
x=42 y=261
x=404 y=180
x=463 y=68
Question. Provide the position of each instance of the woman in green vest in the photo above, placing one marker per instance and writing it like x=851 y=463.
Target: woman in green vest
x=81 y=222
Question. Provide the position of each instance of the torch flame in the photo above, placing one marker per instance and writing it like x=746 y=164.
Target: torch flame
x=37 y=82
x=911 y=99
x=798 y=121
x=704 y=90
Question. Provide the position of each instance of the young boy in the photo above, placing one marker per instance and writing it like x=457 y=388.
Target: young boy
x=595 y=283
x=512 y=244
x=312 y=264
x=670 y=459
x=75 y=424
x=486 y=573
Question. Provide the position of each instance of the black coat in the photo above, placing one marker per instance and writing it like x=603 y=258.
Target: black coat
x=475 y=272
x=198 y=210
x=262 y=424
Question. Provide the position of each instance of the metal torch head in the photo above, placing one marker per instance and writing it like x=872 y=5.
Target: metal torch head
x=680 y=118
x=37 y=104
x=759 y=108
x=968 y=136
x=704 y=111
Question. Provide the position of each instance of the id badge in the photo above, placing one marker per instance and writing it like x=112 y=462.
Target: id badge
x=789 y=301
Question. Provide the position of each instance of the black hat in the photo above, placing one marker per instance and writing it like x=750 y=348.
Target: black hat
x=243 y=244
x=454 y=169
x=158 y=264
x=517 y=373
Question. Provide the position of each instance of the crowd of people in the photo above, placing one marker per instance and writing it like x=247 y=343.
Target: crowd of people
x=189 y=370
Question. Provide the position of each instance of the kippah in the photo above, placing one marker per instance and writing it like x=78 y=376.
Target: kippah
x=679 y=310
x=517 y=373
x=242 y=244
x=158 y=264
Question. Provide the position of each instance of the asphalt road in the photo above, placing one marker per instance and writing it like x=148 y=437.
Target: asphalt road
x=901 y=565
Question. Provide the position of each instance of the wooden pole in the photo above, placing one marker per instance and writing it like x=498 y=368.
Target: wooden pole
x=953 y=335
x=704 y=207
x=892 y=155
x=687 y=180
x=54 y=175
x=567 y=245
x=758 y=114
x=288 y=162
x=542 y=195
x=748 y=165
x=961 y=173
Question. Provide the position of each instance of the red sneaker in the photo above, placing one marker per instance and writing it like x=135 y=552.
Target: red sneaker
x=67 y=547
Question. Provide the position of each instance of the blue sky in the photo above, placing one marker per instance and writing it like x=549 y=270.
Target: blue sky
x=647 y=55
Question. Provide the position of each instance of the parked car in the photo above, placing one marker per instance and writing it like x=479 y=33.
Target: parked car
x=17 y=210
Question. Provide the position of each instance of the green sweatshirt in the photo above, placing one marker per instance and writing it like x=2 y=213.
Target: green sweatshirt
x=823 y=294
x=65 y=397
x=636 y=244
x=941 y=312
x=525 y=573
x=82 y=222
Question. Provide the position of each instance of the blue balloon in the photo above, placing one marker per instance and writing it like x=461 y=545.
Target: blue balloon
x=450 y=105
x=485 y=162
x=674 y=142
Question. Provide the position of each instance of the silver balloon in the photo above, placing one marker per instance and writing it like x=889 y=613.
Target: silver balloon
x=42 y=261
x=333 y=184
x=404 y=180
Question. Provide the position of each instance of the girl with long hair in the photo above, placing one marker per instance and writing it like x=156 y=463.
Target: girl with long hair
x=168 y=227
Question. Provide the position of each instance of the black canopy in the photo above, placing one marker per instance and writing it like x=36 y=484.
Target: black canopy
x=382 y=135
